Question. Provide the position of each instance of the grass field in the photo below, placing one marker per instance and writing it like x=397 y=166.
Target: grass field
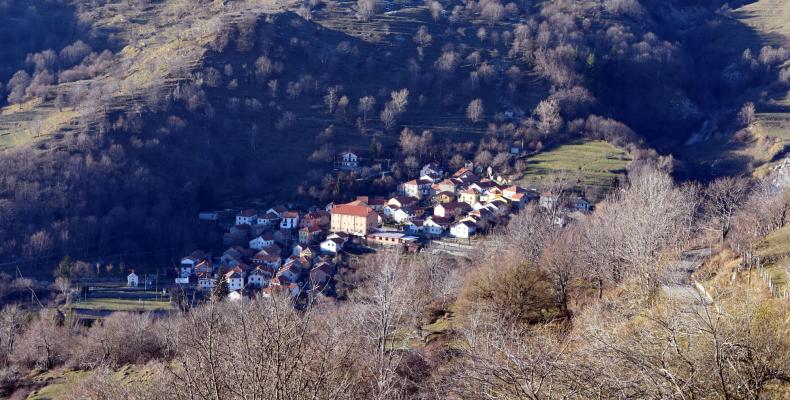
x=107 y=304
x=110 y=299
x=596 y=163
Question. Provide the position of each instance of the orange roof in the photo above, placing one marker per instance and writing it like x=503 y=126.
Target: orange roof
x=348 y=209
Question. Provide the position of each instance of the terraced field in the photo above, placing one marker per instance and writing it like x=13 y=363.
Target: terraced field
x=595 y=163
x=164 y=42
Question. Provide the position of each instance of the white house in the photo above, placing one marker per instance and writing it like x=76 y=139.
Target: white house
x=449 y=210
x=132 y=280
x=235 y=296
x=248 y=217
x=290 y=220
x=188 y=263
x=206 y=282
x=268 y=219
x=433 y=227
x=418 y=188
x=432 y=168
x=259 y=277
x=347 y=161
x=463 y=230
x=235 y=279
x=265 y=240
x=332 y=245
x=402 y=215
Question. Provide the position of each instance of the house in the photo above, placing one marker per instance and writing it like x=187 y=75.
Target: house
x=266 y=259
x=236 y=255
x=516 y=195
x=466 y=175
x=390 y=238
x=292 y=271
x=278 y=210
x=322 y=273
x=188 y=263
x=310 y=253
x=264 y=240
x=432 y=168
x=491 y=194
x=132 y=280
x=206 y=281
x=297 y=249
x=443 y=197
x=347 y=161
x=435 y=226
x=332 y=246
x=235 y=279
x=450 y=210
x=259 y=277
x=417 y=188
x=469 y=196
x=356 y=220
x=317 y=218
x=403 y=201
x=290 y=220
x=447 y=185
x=309 y=234
x=268 y=219
x=548 y=200
x=430 y=177
x=463 y=230
x=402 y=215
x=376 y=203
x=581 y=204
x=247 y=217
x=414 y=227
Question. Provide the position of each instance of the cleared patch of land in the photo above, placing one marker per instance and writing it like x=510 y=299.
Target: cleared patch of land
x=112 y=299
x=594 y=163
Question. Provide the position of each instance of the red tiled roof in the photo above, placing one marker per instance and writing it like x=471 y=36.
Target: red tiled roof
x=348 y=209
x=248 y=213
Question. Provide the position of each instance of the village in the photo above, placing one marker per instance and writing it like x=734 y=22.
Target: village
x=299 y=251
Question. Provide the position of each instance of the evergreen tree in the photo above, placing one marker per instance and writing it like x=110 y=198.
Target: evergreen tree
x=221 y=289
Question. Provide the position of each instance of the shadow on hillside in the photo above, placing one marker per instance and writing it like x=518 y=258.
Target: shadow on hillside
x=724 y=152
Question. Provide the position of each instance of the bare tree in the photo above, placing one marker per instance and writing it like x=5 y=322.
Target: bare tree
x=723 y=197
x=474 y=111
x=423 y=38
x=366 y=9
x=365 y=105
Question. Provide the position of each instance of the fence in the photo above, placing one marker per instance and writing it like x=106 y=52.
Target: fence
x=782 y=292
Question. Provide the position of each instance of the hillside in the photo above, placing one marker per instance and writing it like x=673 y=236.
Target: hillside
x=158 y=109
